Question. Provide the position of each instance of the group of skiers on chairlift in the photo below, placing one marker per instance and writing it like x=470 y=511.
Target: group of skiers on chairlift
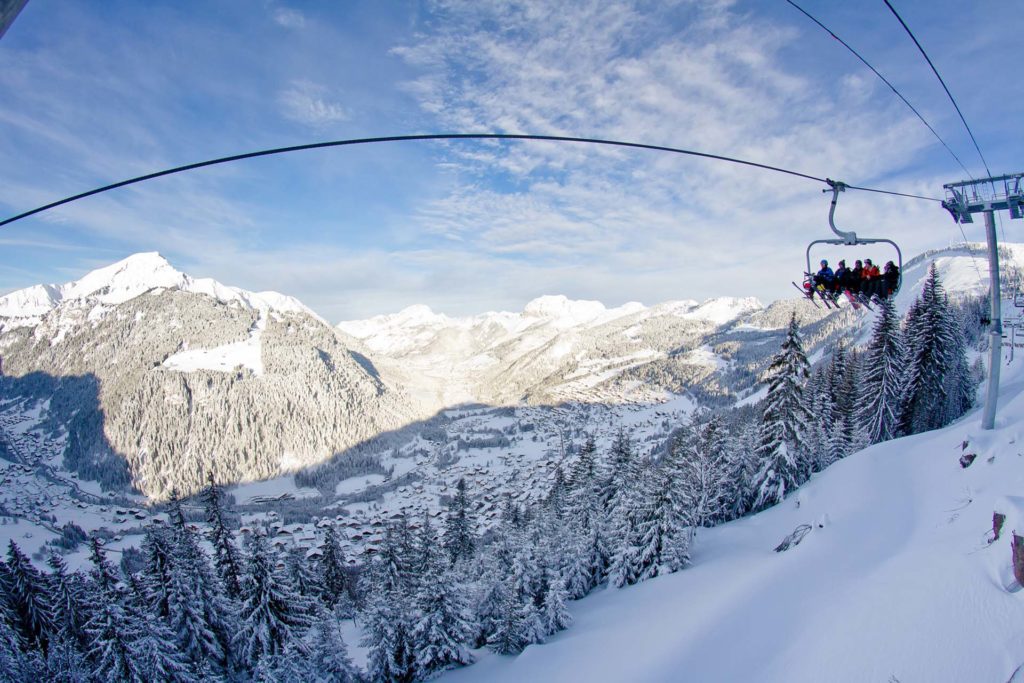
x=864 y=280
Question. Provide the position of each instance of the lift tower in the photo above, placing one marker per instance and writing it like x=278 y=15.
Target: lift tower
x=988 y=195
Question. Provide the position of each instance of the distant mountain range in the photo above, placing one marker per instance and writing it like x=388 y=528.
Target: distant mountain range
x=155 y=378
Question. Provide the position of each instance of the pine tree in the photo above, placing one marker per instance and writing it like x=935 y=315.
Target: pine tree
x=881 y=384
x=517 y=625
x=328 y=654
x=27 y=596
x=331 y=569
x=108 y=629
x=742 y=467
x=590 y=557
x=557 y=497
x=961 y=388
x=272 y=613
x=935 y=361
x=458 y=535
x=703 y=469
x=290 y=665
x=584 y=469
x=67 y=600
x=199 y=612
x=443 y=629
x=619 y=471
x=65 y=663
x=154 y=658
x=157 y=550
x=554 y=613
x=16 y=664
x=784 y=422
x=387 y=625
x=300 y=572
x=225 y=554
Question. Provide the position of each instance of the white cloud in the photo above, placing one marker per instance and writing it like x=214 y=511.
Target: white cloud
x=308 y=103
x=289 y=18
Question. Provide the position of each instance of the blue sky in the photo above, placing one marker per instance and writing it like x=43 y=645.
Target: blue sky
x=94 y=92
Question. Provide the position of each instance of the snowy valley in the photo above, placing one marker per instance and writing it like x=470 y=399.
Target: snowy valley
x=357 y=439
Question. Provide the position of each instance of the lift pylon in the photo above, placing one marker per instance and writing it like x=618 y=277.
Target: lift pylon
x=986 y=196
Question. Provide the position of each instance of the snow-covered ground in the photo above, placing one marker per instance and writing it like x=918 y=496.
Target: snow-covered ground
x=246 y=353
x=897 y=580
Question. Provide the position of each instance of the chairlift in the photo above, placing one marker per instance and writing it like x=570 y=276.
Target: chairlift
x=850 y=238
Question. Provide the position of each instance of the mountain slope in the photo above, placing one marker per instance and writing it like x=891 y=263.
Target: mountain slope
x=894 y=581
x=561 y=350
x=190 y=377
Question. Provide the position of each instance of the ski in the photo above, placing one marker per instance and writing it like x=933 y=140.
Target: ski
x=808 y=293
x=826 y=297
x=852 y=299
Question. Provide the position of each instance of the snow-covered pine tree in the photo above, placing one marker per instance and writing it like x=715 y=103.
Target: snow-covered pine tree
x=27 y=597
x=331 y=569
x=272 y=613
x=619 y=471
x=624 y=568
x=584 y=468
x=558 y=495
x=934 y=351
x=199 y=611
x=387 y=621
x=881 y=384
x=65 y=663
x=443 y=630
x=518 y=624
x=704 y=469
x=194 y=636
x=154 y=657
x=18 y=665
x=961 y=386
x=328 y=654
x=742 y=467
x=818 y=398
x=226 y=558
x=489 y=601
x=110 y=630
x=784 y=421
x=589 y=554
x=157 y=550
x=300 y=573
x=459 y=535
x=68 y=603
x=554 y=612
x=290 y=665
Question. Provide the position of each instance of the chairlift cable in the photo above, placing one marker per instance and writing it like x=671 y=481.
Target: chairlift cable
x=936 y=72
x=438 y=136
x=884 y=80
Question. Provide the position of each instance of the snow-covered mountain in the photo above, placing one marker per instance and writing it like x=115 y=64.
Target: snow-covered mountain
x=558 y=349
x=160 y=378
x=125 y=280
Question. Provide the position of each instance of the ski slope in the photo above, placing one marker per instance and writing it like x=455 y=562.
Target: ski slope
x=896 y=580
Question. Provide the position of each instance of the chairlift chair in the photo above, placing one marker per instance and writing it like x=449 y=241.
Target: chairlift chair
x=850 y=238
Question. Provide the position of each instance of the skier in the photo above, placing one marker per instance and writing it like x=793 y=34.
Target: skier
x=842 y=277
x=891 y=279
x=872 y=279
x=825 y=277
x=856 y=276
